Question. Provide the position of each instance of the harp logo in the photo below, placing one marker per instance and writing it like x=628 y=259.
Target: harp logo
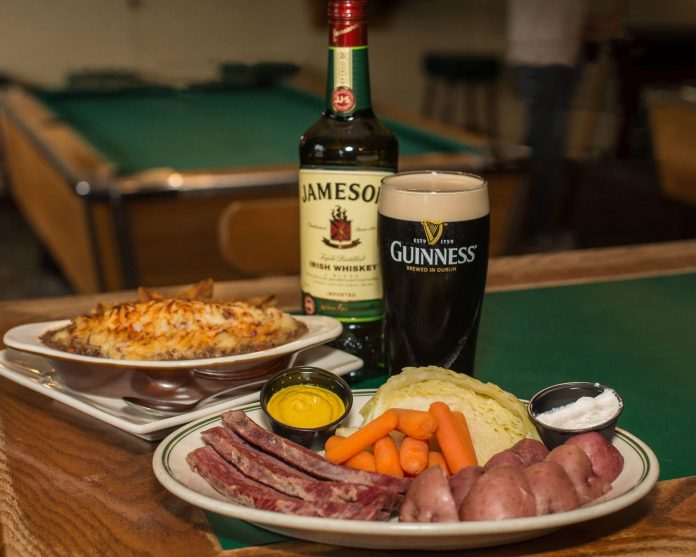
x=341 y=230
x=433 y=231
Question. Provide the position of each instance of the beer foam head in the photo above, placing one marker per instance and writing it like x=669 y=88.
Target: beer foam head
x=436 y=196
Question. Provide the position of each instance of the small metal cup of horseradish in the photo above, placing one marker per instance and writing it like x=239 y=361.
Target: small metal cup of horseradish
x=562 y=411
x=306 y=404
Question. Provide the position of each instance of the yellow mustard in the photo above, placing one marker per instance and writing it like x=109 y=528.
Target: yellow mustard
x=305 y=406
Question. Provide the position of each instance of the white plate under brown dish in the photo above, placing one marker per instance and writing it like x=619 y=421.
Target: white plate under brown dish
x=37 y=373
x=639 y=475
x=183 y=379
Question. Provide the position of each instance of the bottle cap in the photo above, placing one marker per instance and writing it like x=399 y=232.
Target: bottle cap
x=347 y=9
x=347 y=23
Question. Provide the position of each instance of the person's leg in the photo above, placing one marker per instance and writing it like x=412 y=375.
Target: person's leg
x=546 y=92
x=553 y=112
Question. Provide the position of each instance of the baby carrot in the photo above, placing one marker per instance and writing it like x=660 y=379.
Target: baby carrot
x=456 y=453
x=333 y=441
x=387 y=457
x=362 y=461
x=464 y=433
x=413 y=455
x=363 y=438
x=416 y=423
x=435 y=458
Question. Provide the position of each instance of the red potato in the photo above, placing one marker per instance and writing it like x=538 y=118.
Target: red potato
x=429 y=499
x=578 y=466
x=552 y=488
x=504 y=458
x=530 y=451
x=607 y=461
x=502 y=492
x=462 y=482
x=522 y=454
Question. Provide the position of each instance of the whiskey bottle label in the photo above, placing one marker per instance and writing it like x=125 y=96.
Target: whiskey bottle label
x=339 y=259
x=348 y=82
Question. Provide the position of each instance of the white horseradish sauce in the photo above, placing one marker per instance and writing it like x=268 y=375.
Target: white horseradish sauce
x=585 y=412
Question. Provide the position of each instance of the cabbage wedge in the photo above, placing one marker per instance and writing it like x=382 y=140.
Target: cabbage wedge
x=496 y=418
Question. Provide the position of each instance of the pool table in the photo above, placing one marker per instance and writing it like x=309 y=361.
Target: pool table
x=126 y=187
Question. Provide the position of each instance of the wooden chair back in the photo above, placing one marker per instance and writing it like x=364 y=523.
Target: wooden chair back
x=261 y=237
x=673 y=128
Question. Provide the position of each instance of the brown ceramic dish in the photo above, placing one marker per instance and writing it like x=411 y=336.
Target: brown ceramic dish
x=184 y=378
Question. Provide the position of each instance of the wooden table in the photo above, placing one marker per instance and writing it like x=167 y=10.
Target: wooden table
x=71 y=485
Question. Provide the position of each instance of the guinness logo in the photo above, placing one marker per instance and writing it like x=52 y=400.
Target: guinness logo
x=433 y=231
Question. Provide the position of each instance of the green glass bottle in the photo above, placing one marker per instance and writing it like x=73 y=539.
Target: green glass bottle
x=343 y=157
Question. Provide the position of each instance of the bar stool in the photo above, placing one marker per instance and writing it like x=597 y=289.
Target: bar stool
x=455 y=85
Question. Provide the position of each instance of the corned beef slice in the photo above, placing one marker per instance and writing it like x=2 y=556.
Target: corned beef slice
x=302 y=458
x=278 y=475
x=226 y=479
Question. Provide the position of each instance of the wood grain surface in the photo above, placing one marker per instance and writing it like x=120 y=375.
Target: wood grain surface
x=72 y=485
x=659 y=525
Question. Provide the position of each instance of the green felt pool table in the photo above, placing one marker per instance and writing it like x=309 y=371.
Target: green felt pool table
x=124 y=186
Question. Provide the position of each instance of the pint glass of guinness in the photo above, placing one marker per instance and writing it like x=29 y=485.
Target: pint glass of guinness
x=433 y=232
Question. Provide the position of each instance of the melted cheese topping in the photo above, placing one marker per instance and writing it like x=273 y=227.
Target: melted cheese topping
x=173 y=329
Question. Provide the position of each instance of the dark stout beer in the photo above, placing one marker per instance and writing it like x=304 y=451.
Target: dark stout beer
x=433 y=237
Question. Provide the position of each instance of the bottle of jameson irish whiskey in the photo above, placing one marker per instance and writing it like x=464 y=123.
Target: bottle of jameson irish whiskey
x=343 y=158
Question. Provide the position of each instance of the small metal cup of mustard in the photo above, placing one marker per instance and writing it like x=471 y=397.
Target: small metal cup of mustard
x=306 y=404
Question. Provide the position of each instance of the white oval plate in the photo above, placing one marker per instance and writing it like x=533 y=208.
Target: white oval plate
x=28 y=338
x=640 y=473
x=34 y=372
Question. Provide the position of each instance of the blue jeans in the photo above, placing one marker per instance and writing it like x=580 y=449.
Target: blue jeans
x=546 y=92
